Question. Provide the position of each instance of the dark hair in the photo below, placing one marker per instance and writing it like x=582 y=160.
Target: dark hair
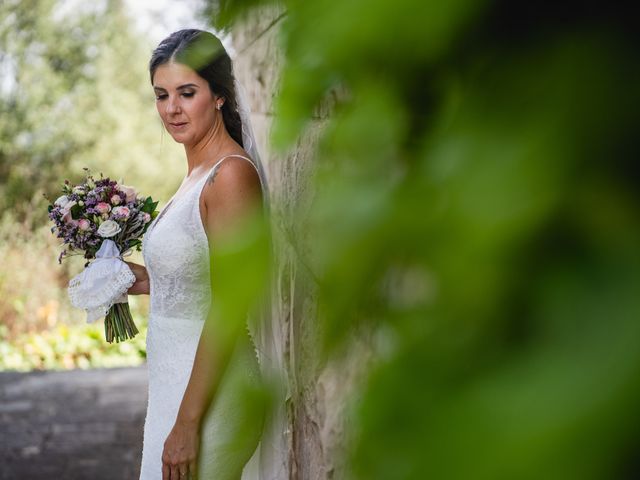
x=203 y=52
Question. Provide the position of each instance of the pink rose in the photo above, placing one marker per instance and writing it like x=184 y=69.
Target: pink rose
x=130 y=192
x=84 y=224
x=121 y=212
x=146 y=217
x=115 y=199
x=103 y=207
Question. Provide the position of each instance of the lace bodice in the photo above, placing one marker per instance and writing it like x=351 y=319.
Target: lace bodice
x=175 y=251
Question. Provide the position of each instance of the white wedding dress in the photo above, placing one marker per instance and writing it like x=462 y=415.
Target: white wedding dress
x=176 y=254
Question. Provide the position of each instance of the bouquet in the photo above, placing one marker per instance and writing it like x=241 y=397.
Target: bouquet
x=103 y=221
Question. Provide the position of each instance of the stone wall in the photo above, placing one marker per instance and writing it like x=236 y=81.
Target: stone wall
x=319 y=391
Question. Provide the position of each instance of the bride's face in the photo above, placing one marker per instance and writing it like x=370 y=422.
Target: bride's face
x=185 y=102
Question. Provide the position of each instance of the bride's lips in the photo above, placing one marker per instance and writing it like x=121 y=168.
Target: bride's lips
x=177 y=125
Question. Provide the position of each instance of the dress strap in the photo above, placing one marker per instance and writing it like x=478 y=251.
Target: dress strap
x=215 y=166
x=212 y=172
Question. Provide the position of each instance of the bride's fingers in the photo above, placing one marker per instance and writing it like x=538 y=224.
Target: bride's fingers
x=138 y=270
x=192 y=471
x=175 y=473
x=166 y=472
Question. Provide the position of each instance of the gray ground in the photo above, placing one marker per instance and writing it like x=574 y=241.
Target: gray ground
x=79 y=424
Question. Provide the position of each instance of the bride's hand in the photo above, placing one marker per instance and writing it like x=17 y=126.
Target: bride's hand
x=141 y=285
x=181 y=452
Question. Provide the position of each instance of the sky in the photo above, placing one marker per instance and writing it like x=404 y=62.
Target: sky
x=156 y=19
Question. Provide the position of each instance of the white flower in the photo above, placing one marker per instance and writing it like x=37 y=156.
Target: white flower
x=61 y=201
x=79 y=189
x=66 y=211
x=108 y=228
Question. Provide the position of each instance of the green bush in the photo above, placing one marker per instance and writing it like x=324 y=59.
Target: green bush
x=69 y=346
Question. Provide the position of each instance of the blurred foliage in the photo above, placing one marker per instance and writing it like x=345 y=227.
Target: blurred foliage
x=39 y=328
x=476 y=203
x=24 y=308
x=74 y=93
x=65 y=347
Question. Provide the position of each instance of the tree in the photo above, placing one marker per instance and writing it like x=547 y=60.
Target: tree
x=76 y=93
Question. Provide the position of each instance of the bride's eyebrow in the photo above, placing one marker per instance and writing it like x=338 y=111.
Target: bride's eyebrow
x=181 y=87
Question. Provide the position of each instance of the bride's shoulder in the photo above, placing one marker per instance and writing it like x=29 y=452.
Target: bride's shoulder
x=232 y=190
x=231 y=175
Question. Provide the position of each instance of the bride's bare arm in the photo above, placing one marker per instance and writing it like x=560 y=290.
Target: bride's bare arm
x=231 y=198
x=141 y=285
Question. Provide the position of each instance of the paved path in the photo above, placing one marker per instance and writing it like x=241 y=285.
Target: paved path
x=78 y=424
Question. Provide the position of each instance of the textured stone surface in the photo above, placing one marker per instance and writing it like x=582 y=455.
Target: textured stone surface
x=321 y=393
x=76 y=424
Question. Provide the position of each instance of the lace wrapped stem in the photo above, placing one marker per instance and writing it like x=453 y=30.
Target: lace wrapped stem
x=101 y=289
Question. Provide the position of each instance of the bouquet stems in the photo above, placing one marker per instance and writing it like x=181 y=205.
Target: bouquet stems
x=119 y=324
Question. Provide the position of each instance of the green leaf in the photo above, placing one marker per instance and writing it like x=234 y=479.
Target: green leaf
x=76 y=212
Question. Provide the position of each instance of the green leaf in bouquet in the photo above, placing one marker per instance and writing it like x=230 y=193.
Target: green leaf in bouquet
x=76 y=211
x=149 y=206
x=49 y=208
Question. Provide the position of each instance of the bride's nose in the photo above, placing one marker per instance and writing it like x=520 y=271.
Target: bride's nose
x=173 y=106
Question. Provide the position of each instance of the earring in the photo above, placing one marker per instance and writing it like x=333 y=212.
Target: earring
x=219 y=106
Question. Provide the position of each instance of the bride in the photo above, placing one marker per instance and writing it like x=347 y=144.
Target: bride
x=205 y=411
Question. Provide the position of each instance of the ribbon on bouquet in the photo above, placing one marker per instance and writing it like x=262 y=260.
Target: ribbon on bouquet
x=102 y=283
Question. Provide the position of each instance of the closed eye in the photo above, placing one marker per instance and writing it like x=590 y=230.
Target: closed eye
x=162 y=96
